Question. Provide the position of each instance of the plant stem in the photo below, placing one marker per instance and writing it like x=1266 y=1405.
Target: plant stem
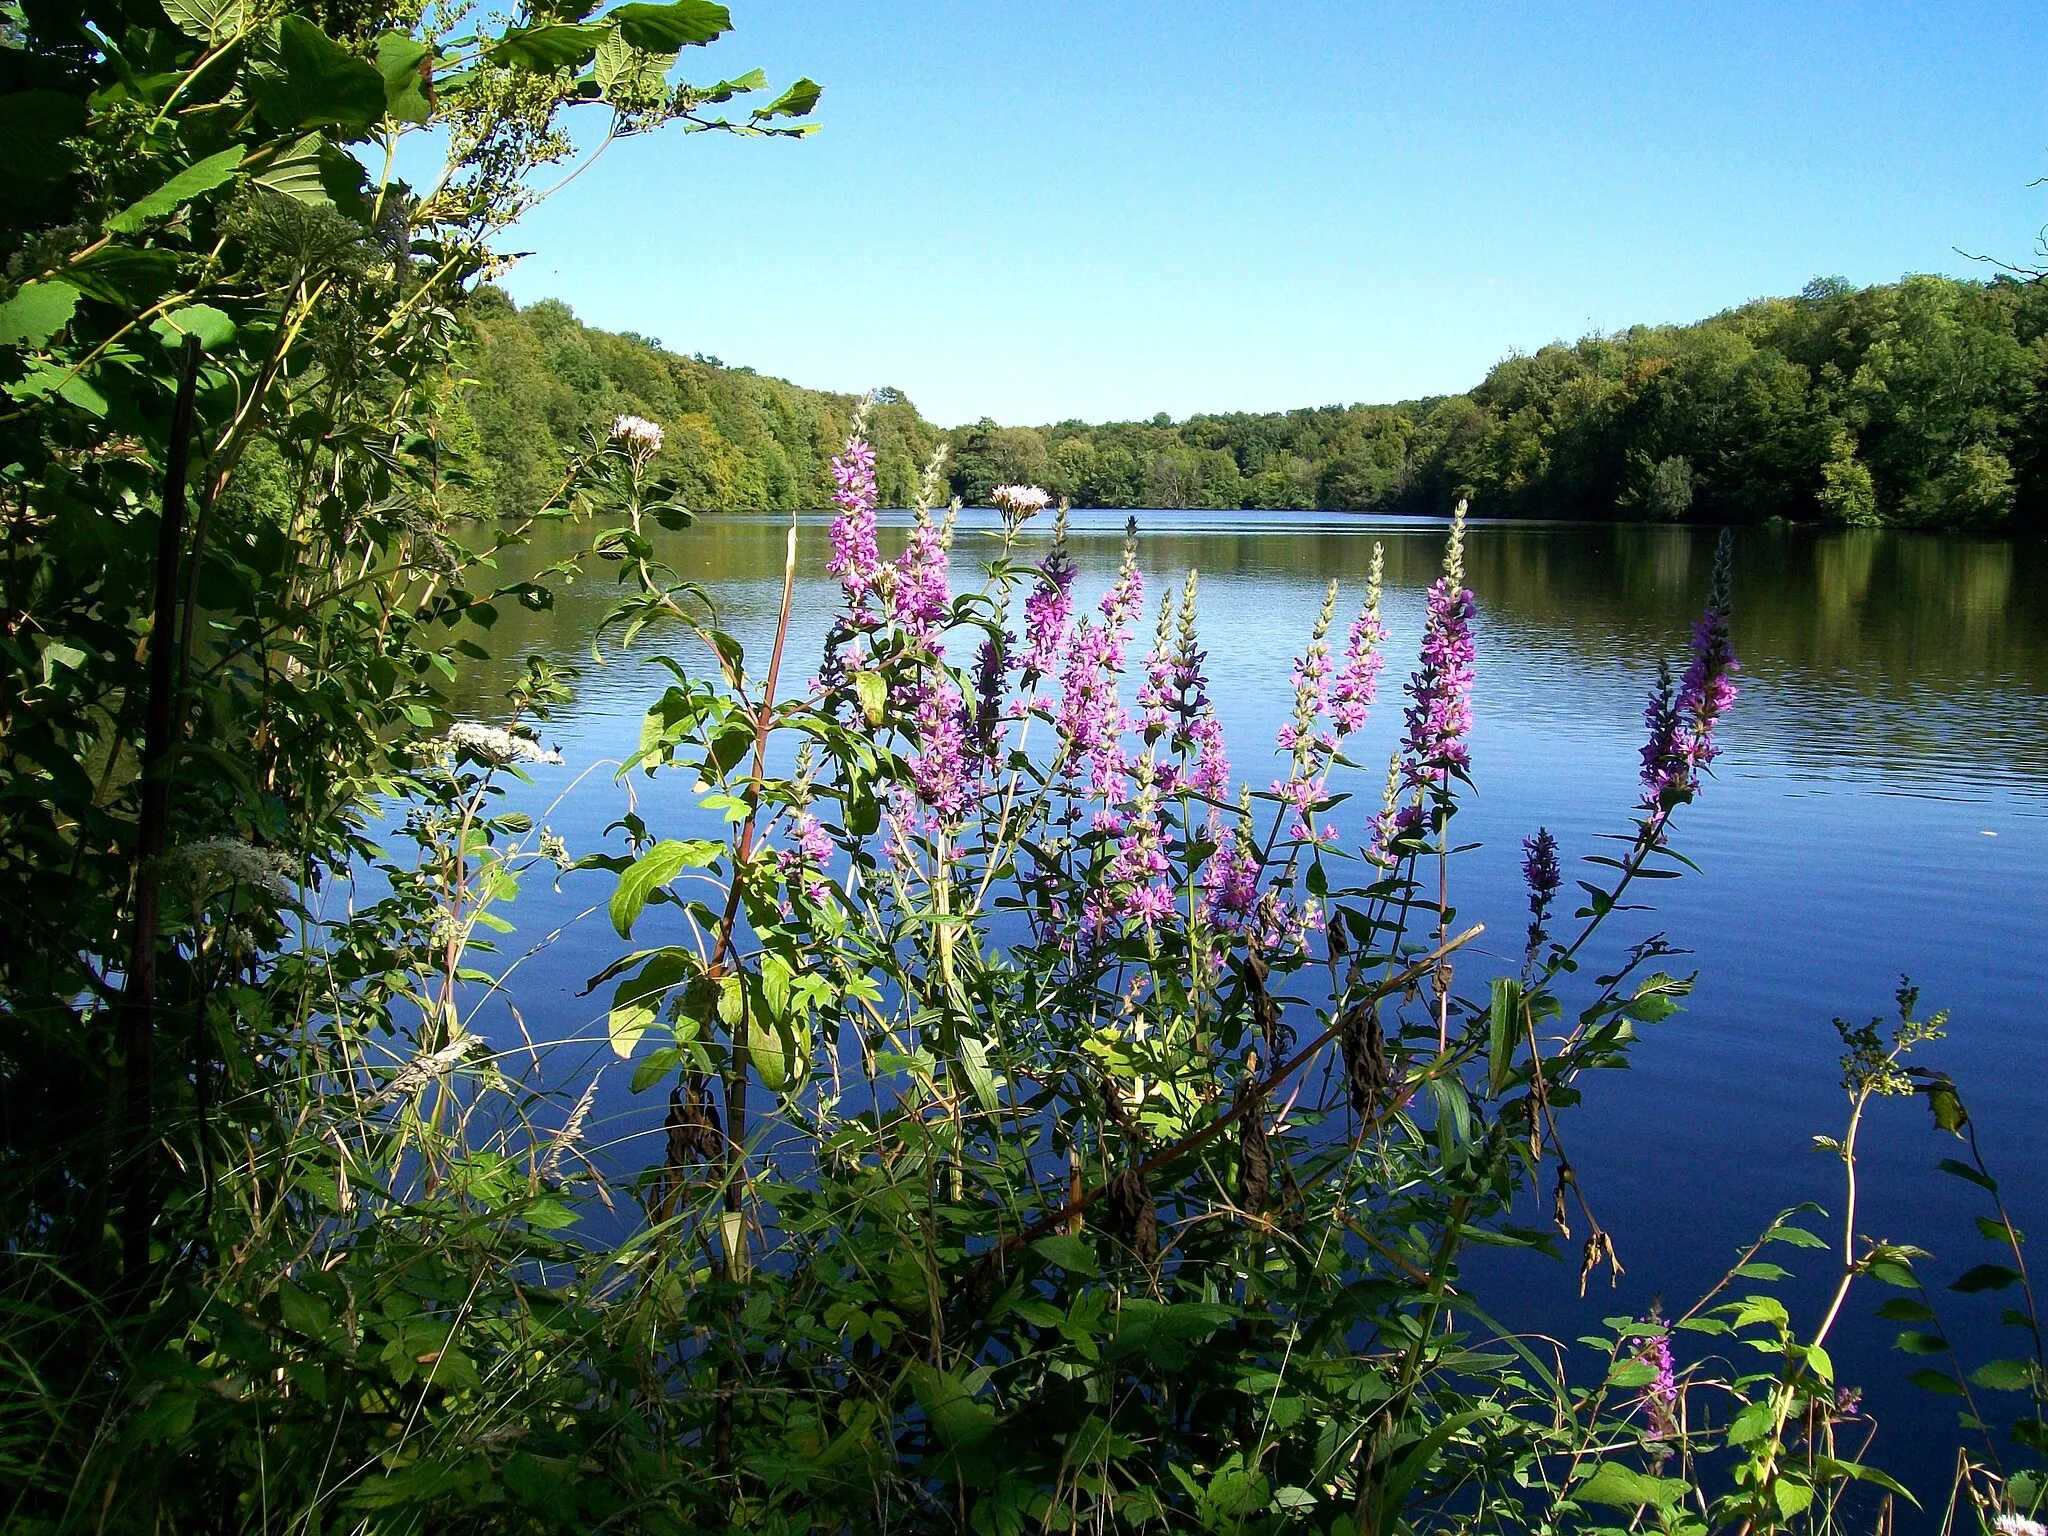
x=138 y=993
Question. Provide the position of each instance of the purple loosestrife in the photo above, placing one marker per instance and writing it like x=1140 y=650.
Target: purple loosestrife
x=1135 y=884
x=1091 y=718
x=1358 y=680
x=920 y=595
x=1311 y=686
x=991 y=679
x=1231 y=880
x=1196 y=729
x=1439 y=714
x=1680 y=742
x=1050 y=607
x=1660 y=1396
x=855 y=559
x=1540 y=873
x=939 y=769
x=1386 y=826
x=1156 y=692
x=812 y=850
x=1306 y=781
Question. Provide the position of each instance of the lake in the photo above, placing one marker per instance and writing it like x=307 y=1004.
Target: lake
x=1881 y=807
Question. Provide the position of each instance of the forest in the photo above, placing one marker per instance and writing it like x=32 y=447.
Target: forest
x=1910 y=404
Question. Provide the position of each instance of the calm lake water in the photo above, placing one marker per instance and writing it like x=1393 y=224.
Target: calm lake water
x=1881 y=808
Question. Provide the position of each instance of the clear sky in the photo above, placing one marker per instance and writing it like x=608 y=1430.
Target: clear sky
x=1034 y=211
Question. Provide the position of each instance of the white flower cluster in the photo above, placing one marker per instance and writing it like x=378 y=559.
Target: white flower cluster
x=641 y=437
x=497 y=746
x=2018 y=1525
x=222 y=861
x=1020 y=501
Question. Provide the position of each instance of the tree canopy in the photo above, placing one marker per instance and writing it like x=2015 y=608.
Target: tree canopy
x=1917 y=403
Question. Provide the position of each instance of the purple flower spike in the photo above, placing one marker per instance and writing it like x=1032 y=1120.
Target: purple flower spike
x=1091 y=717
x=1439 y=714
x=921 y=593
x=1542 y=876
x=855 y=560
x=939 y=768
x=991 y=675
x=1358 y=680
x=1660 y=1397
x=1680 y=744
x=1050 y=607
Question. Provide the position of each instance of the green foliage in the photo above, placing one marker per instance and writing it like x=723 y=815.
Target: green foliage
x=538 y=381
x=1917 y=404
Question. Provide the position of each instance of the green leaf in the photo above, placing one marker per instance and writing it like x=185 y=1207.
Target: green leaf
x=665 y=28
x=797 y=101
x=200 y=176
x=1965 y=1171
x=1791 y=1496
x=1235 y=1491
x=543 y=50
x=37 y=313
x=303 y=1312
x=725 y=90
x=654 y=868
x=406 y=64
x=1503 y=1032
x=34 y=126
x=1947 y=1104
x=208 y=20
x=296 y=173
x=1798 y=1237
x=1903 y=1309
x=213 y=328
x=80 y=392
x=1761 y=1309
x=949 y=1403
x=1750 y=1423
x=1624 y=1488
x=873 y=691
x=1931 y=1380
x=1916 y=1343
x=637 y=999
x=654 y=1066
x=1985 y=1277
x=774 y=1049
x=1071 y=1253
x=2004 y=1375
x=974 y=1062
x=318 y=82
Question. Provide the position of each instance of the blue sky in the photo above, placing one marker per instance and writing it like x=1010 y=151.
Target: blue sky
x=1040 y=211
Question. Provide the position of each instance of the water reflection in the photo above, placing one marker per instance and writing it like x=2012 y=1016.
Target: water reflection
x=1869 y=651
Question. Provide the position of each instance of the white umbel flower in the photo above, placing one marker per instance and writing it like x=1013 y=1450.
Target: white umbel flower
x=2018 y=1525
x=639 y=436
x=497 y=746
x=219 y=861
x=1020 y=501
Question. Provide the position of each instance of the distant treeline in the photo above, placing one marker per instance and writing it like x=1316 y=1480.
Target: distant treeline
x=1921 y=403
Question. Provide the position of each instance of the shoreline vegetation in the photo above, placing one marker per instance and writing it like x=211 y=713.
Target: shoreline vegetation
x=1061 y=1132
x=1916 y=404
